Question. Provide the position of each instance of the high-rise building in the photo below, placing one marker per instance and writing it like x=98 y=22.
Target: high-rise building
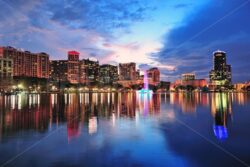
x=127 y=71
x=73 y=67
x=6 y=72
x=92 y=69
x=6 y=68
x=74 y=70
x=108 y=74
x=138 y=74
x=220 y=75
x=82 y=70
x=188 y=77
x=59 y=70
x=43 y=65
x=27 y=64
x=153 y=76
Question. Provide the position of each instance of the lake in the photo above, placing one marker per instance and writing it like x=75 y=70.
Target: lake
x=125 y=129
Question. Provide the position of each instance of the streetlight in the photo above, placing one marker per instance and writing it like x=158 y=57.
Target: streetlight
x=20 y=86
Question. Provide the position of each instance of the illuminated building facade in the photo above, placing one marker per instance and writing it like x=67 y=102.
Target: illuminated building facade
x=127 y=71
x=74 y=70
x=92 y=70
x=43 y=65
x=6 y=72
x=188 y=77
x=82 y=71
x=71 y=70
x=73 y=67
x=153 y=76
x=108 y=74
x=195 y=83
x=189 y=81
x=58 y=70
x=220 y=75
x=27 y=64
x=6 y=68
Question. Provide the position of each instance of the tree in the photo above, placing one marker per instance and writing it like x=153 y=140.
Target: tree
x=189 y=88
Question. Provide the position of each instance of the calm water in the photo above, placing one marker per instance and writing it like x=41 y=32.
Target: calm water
x=125 y=129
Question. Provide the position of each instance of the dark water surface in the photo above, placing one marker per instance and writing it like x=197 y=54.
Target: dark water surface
x=125 y=129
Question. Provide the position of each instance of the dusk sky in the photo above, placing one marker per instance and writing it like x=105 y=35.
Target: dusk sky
x=175 y=36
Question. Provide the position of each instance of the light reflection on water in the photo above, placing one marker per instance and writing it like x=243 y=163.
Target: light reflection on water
x=133 y=122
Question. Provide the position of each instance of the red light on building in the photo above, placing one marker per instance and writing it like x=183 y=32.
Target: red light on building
x=73 y=52
x=73 y=55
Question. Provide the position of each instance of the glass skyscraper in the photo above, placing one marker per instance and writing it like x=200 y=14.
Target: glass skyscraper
x=220 y=75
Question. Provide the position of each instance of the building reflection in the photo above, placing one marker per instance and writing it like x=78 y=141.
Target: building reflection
x=126 y=105
x=23 y=112
x=41 y=112
x=221 y=110
x=73 y=115
x=92 y=125
x=241 y=98
x=188 y=102
x=149 y=104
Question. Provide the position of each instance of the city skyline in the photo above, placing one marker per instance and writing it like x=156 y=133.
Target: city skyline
x=180 y=36
x=124 y=83
x=20 y=69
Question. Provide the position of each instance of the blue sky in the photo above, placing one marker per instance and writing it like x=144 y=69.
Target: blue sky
x=176 y=36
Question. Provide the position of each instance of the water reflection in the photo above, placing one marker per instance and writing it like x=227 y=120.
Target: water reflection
x=189 y=101
x=220 y=105
x=125 y=129
x=21 y=112
x=221 y=109
x=39 y=112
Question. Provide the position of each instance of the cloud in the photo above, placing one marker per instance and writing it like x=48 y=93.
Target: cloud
x=58 y=26
x=130 y=52
x=102 y=29
x=99 y=15
x=230 y=31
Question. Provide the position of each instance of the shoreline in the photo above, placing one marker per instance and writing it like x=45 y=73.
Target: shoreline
x=132 y=91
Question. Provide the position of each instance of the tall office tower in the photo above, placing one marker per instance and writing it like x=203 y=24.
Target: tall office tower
x=221 y=73
x=73 y=67
x=154 y=75
x=127 y=71
x=58 y=70
x=27 y=64
x=108 y=74
x=92 y=69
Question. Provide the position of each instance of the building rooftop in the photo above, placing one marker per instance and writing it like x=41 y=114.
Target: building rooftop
x=219 y=51
x=73 y=52
x=188 y=74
